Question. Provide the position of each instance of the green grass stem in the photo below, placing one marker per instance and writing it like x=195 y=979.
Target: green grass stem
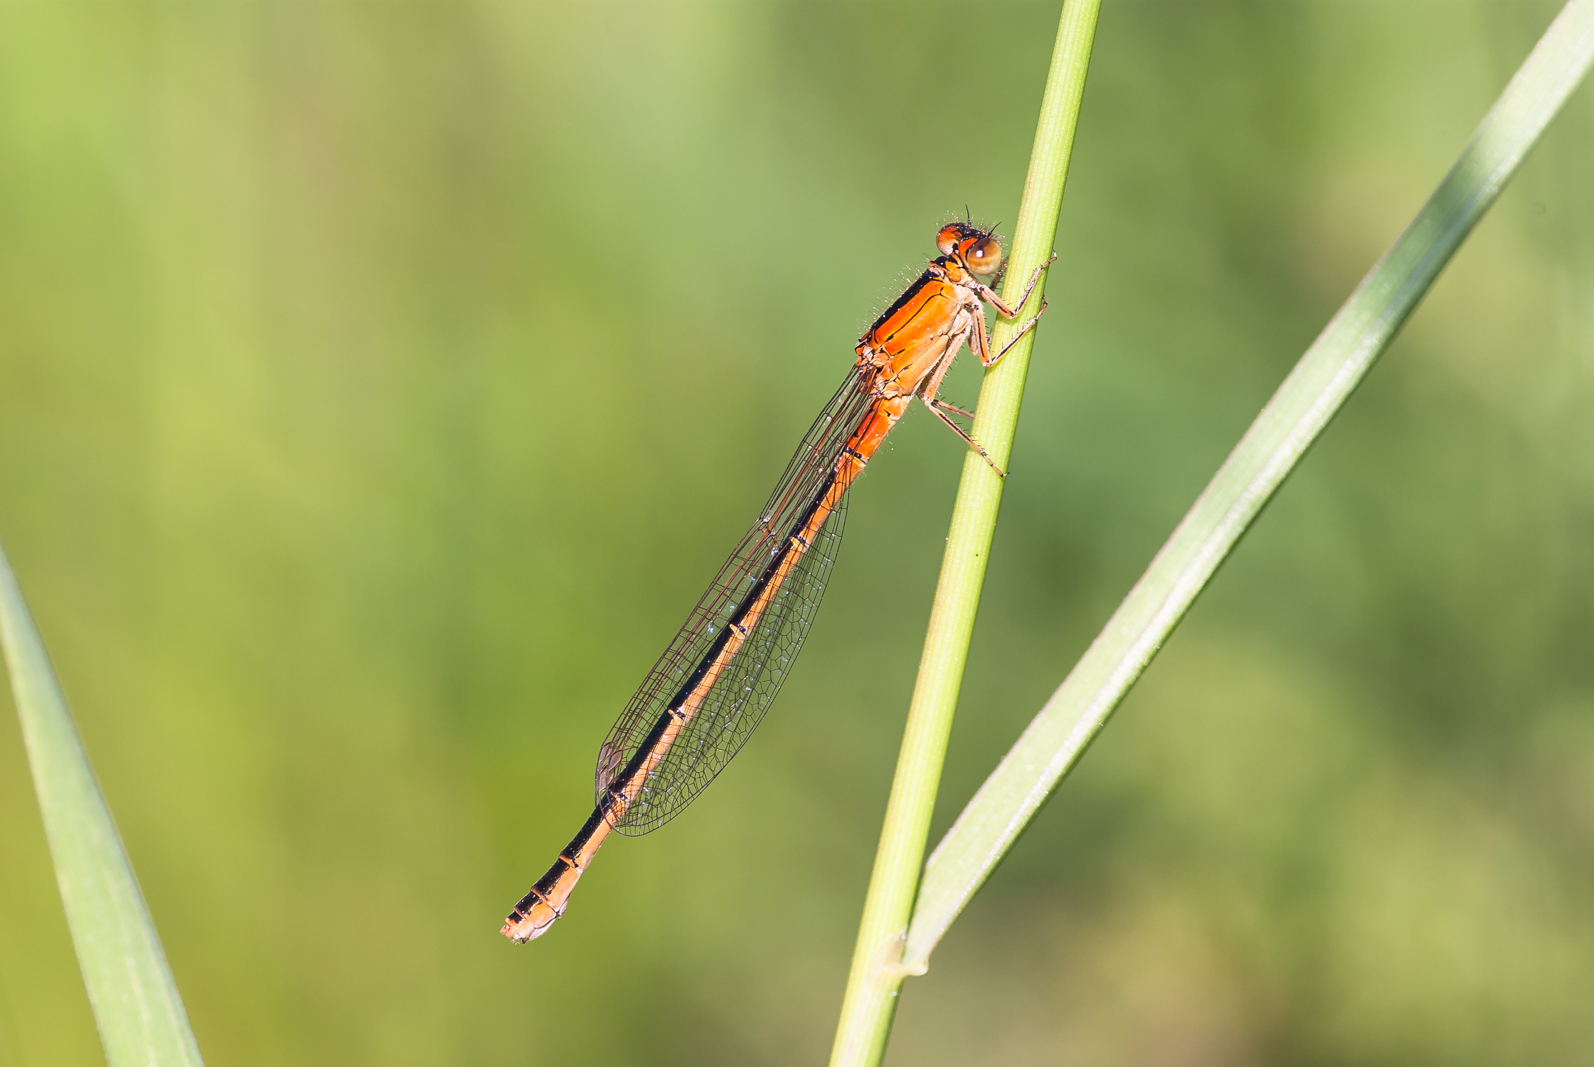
x=876 y=974
x=140 y=1016
x=1294 y=417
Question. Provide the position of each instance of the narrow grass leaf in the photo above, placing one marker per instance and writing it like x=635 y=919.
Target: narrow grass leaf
x=1317 y=387
x=136 y=1006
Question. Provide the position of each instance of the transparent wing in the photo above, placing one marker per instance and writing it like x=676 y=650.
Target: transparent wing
x=736 y=703
x=738 y=698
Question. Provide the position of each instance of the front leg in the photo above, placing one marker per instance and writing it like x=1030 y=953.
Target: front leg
x=988 y=294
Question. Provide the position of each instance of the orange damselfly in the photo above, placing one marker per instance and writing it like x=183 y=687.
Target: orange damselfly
x=707 y=693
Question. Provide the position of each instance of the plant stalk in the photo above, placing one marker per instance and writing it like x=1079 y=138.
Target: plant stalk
x=876 y=974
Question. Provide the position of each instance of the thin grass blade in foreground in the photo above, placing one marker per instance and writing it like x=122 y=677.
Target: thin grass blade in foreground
x=136 y=1006
x=1270 y=449
x=876 y=973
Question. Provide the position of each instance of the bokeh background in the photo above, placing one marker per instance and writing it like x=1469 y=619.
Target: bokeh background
x=380 y=383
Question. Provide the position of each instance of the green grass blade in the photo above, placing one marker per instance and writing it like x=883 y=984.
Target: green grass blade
x=136 y=1006
x=876 y=974
x=1321 y=382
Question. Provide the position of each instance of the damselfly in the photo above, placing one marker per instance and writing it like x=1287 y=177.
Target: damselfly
x=707 y=693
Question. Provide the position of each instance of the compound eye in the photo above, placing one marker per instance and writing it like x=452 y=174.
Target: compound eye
x=985 y=257
x=947 y=239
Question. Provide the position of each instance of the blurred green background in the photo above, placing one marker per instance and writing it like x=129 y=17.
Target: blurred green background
x=381 y=382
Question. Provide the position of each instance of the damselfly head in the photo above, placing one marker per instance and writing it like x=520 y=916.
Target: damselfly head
x=976 y=249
